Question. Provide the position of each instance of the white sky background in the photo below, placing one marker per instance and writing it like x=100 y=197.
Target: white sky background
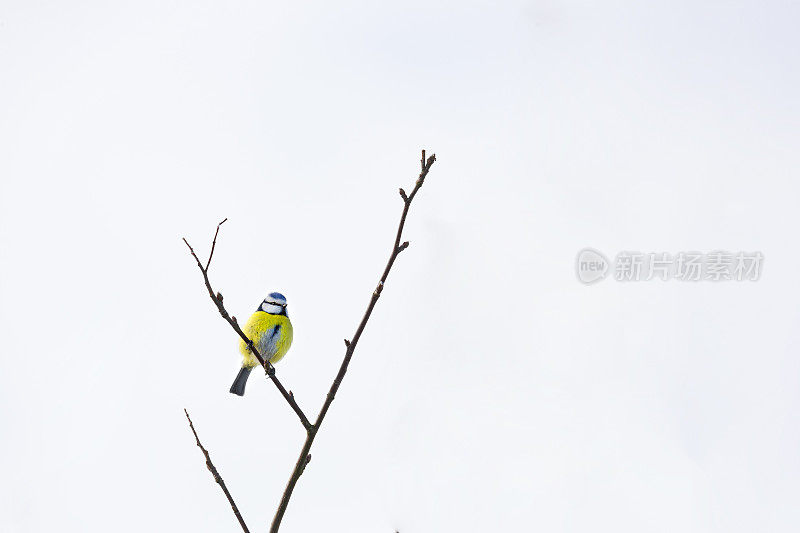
x=491 y=390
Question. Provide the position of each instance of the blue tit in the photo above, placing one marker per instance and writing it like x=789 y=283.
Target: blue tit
x=271 y=332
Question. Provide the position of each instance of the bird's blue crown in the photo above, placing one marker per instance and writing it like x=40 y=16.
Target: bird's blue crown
x=274 y=303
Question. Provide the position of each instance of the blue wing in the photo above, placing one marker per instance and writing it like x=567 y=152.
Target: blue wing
x=268 y=344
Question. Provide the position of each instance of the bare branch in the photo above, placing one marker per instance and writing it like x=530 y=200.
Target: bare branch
x=311 y=429
x=217 y=299
x=217 y=477
x=213 y=245
x=303 y=459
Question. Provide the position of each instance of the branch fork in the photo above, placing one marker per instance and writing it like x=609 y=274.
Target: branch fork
x=217 y=299
x=350 y=345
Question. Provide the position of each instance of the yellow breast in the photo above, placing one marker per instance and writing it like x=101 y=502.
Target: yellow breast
x=271 y=344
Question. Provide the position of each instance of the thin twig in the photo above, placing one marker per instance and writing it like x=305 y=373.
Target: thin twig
x=311 y=431
x=217 y=477
x=217 y=299
x=214 y=244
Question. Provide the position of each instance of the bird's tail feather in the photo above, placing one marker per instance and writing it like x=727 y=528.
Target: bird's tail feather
x=240 y=381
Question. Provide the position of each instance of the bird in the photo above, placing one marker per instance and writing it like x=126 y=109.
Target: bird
x=271 y=332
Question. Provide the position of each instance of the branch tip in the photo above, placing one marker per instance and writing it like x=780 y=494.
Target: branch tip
x=217 y=477
x=213 y=245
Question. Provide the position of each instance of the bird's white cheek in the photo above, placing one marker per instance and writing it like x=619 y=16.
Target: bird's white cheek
x=271 y=308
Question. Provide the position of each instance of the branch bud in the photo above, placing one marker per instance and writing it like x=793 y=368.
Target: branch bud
x=308 y=458
x=219 y=297
x=403 y=195
x=402 y=247
x=347 y=343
